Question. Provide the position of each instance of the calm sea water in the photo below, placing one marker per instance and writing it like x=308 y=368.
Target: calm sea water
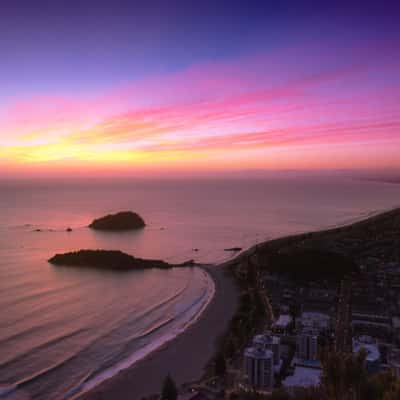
x=63 y=329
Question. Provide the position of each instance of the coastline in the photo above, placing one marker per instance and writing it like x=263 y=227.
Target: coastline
x=198 y=339
x=144 y=378
x=337 y=228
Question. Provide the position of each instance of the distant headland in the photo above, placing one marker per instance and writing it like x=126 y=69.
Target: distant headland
x=122 y=221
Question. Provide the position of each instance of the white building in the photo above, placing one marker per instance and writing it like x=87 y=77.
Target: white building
x=368 y=345
x=283 y=323
x=313 y=320
x=259 y=367
x=259 y=364
x=270 y=342
x=307 y=345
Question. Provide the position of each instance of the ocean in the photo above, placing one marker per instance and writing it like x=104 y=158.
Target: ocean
x=63 y=330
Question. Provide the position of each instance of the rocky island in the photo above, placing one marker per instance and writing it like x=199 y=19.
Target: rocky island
x=122 y=221
x=106 y=259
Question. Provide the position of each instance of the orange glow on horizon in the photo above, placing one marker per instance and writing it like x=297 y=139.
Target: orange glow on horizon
x=212 y=117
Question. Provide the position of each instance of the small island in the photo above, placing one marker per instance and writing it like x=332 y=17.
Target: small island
x=234 y=249
x=122 y=221
x=106 y=259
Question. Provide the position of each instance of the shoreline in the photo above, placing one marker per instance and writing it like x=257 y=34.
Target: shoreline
x=145 y=376
x=151 y=347
x=362 y=218
x=122 y=385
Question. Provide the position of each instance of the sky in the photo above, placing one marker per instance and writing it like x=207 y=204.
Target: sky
x=136 y=87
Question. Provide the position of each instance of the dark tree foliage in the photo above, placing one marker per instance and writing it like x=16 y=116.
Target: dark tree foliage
x=279 y=394
x=169 y=389
x=220 y=365
x=250 y=313
x=252 y=272
x=314 y=264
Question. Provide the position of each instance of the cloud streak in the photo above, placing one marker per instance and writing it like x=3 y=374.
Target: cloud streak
x=225 y=109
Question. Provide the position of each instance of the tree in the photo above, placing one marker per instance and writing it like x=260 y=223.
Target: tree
x=344 y=376
x=384 y=385
x=220 y=365
x=393 y=393
x=169 y=390
x=279 y=394
x=310 y=393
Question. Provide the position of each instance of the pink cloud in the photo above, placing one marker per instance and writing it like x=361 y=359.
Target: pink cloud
x=262 y=101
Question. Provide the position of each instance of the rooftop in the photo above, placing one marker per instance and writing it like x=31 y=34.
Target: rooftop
x=265 y=339
x=396 y=322
x=283 y=321
x=303 y=377
x=310 y=318
x=372 y=349
x=255 y=352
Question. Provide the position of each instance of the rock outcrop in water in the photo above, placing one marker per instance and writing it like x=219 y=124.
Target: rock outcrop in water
x=106 y=259
x=234 y=249
x=122 y=221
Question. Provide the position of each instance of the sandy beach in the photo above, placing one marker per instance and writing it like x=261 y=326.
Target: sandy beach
x=184 y=358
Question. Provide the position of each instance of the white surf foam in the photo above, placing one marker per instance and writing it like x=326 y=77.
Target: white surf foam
x=188 y=317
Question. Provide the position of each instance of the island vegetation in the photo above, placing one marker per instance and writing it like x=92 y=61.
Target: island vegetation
x=106 y=259
x=169 y=389
x=122 y=221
